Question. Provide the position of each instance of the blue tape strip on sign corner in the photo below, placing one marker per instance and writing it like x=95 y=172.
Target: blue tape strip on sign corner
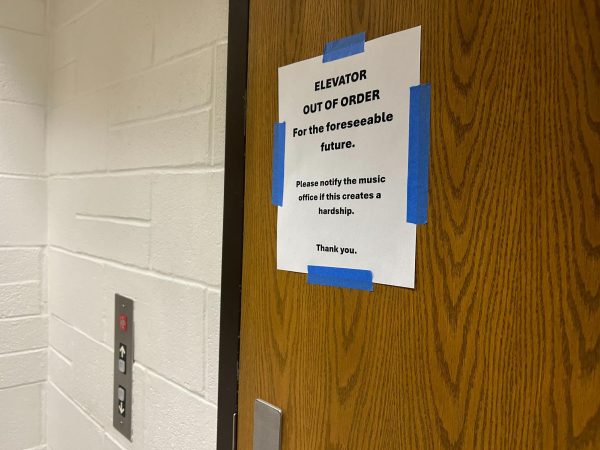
x=278 y=163
x=341 y=277
x=348 y=46
x=418 y=154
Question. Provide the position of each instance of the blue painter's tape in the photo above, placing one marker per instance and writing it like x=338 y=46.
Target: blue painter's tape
x=278 y=163
x=350 y=45
x=418 y=154
x=340 y=277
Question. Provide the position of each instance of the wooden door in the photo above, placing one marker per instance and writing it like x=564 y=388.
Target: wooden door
x=498 y=345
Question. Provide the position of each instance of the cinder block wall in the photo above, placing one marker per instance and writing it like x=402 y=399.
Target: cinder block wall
x=135 y=143
x=23 y=319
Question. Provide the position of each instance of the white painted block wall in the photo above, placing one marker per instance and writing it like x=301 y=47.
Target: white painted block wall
x=23 y=318
x=135 y=178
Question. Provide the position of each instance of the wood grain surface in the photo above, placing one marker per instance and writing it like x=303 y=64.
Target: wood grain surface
x=498 y=346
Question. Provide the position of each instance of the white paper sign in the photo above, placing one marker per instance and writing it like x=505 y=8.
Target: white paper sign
x=346 y=160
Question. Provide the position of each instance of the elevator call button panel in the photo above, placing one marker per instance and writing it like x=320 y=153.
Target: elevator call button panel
x=123 y=364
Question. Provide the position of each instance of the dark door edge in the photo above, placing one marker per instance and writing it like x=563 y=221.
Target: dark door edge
x=233 y=221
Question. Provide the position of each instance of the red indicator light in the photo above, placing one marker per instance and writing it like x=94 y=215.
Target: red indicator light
x=123 y=322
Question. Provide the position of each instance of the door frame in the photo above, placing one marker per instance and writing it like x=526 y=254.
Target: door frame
x=233 y=221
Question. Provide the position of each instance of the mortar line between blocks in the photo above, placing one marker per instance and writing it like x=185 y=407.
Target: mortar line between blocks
x=23 y=317
x=76 y=17
x=16 y=386
x=20 y=283
x=83 y=333
x=7 y=101
x=19 y=30
x=29 y=351
x=60 y=354
x=176 y=385
x=173 y=60
x=64 y=65
x=135 y=269
x=205 y=107
x=162 y=170
x=71 y=400
x=22 y=176
x=214 y=290
x=112 y=440
x=22 y=247
x=134 y=222
x=179 y=57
